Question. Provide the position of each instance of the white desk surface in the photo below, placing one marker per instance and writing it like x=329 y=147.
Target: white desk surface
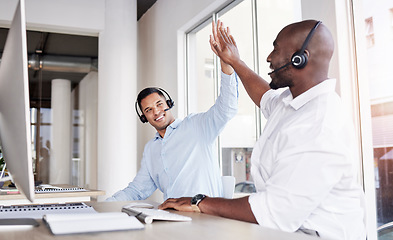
x=202 y=227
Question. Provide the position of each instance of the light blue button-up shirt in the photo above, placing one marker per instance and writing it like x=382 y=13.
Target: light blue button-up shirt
x=184 y=162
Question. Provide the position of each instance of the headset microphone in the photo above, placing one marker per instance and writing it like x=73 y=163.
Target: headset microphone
x=278 y=69
x=168 y=108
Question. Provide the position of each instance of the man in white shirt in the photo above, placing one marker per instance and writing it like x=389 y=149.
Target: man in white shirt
x=304 y=164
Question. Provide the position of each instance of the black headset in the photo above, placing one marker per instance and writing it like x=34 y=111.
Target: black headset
x=299 y=59
x=169 y=102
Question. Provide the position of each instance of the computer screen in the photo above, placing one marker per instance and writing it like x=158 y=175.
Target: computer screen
x=14 y=105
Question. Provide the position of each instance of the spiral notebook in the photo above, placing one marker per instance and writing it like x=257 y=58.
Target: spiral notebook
x=53 y=189
x=45 y=189
x=38 y=211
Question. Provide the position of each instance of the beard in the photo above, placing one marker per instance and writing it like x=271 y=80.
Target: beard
x=281 y=80
x=273 y=85
x=281 y=77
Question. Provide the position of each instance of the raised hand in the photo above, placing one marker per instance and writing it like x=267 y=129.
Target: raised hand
x=216 y=47
x=223 y=44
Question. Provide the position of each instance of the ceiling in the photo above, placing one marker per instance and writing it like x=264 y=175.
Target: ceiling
x=76 y=47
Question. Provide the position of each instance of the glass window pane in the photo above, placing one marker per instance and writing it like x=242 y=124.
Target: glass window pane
x=272 y=16
x=201 y=70
x=378 y=36
x=240 y=134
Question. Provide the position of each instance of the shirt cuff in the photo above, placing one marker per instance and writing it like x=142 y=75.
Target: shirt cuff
x=259 y=208
x=232 y=79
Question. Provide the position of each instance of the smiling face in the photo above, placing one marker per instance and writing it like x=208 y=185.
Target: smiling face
x=153 y=107
x=279 y=57
x=318 y=50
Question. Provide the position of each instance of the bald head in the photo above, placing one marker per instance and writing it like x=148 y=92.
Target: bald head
x=317 y=55
x=319 y=49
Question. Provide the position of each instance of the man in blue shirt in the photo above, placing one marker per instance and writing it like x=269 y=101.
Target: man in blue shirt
x=180 y=160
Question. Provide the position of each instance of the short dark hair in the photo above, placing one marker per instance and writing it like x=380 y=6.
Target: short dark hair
x=146 y=92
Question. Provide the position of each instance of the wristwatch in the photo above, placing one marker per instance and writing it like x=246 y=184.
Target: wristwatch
x=195 y=201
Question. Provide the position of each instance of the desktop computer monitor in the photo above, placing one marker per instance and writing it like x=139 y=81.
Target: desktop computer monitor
x=15 y=136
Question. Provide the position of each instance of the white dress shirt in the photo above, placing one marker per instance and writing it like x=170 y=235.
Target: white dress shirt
x=305 y=165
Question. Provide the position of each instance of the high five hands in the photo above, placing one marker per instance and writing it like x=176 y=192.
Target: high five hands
x=218 y=44
x=223 y=44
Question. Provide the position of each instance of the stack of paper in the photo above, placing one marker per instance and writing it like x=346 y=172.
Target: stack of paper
x=94 y=222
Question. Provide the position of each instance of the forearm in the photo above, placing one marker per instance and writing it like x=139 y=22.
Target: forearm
x=238 y=208
x=226 y=68
x=255 y=85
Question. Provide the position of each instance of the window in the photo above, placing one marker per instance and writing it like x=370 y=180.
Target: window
x=381 y=103
x=236 y=141
x=240 y=135
x=201 y=70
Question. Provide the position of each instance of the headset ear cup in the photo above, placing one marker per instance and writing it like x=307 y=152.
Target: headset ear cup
x=170 y=103
x=143 y=119
x=299 y=60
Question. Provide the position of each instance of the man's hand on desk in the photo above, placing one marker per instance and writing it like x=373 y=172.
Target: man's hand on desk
x=238 y=208
x=181 y=204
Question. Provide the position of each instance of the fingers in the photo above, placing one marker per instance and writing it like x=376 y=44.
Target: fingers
x=214 y=30
x=222 y=42
x=214 y=40
x=180 y=204
x=232 y=40
x=230 y=37
x=219 y=31
x=224 y=36
x=167 y=203
x=214 y=45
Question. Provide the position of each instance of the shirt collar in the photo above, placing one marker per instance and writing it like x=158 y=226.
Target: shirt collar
x=326 y=86
x=169 y=129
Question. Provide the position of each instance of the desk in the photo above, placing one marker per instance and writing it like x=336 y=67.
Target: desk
x=202 y=227
x=52 y=197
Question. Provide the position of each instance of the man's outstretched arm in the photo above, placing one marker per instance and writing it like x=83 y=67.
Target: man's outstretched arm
x=225 y=47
